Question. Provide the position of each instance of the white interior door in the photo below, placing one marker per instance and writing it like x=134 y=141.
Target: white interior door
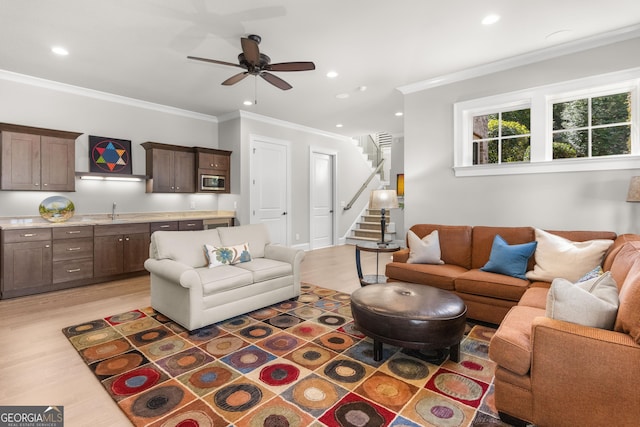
x=322 y=197
x=269 y=186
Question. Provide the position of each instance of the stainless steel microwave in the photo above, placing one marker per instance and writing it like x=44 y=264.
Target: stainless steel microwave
x=212 y=183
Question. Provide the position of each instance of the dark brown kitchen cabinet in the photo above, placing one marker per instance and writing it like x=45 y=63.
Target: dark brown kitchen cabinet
x=119 y=249
x=72 y=254
x=26 y=262
x=36 y=159
x=213 y=162
x=170 y=168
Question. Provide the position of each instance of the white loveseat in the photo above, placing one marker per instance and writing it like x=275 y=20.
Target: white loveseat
x=186 y=290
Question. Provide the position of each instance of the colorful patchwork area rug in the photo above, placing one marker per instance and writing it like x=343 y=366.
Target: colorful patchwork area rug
x=297 y=363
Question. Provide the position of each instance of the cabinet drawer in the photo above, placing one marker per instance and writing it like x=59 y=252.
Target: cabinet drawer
x=194 y=224
x=67 y=271
x=163 y=226
x=73 y=232
x=112 y=230
x=26 y=235
x=72 y=249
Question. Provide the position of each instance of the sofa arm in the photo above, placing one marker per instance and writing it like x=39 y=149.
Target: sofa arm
x=587 y=375
x=401 y=256
x=284 y=254
x=173 y=271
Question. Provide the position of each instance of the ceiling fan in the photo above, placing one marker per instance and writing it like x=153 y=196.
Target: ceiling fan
x=258 y=64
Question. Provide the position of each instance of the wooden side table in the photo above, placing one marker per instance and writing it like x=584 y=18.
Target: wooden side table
x=377 y=248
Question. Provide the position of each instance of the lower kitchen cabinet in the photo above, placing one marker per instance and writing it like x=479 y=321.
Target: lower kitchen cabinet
x=26 y=262
x=119 y=249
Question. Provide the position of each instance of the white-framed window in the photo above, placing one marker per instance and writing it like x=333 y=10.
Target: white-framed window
x=586 y=124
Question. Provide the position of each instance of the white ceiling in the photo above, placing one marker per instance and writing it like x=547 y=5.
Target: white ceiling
x=138 y=48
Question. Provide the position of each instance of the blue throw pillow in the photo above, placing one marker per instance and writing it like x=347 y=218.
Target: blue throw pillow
x=510 y=260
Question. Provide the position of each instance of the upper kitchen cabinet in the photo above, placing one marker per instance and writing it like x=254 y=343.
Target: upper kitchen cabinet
x=170 y=168
x=213 y=170
x=37 y=159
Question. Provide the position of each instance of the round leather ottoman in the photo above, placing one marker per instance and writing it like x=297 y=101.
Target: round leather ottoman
x=411 y=316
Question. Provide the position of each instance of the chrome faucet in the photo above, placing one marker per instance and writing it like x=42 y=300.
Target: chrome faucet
x=113 y=212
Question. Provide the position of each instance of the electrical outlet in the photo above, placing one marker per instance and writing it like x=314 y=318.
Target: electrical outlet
x=235 y=205
x=192 y=204
x=297 y=236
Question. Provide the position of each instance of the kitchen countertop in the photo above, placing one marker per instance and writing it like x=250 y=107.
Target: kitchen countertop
x=105 y=219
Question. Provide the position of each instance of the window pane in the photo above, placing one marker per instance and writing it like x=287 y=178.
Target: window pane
x=485 y=152
x=515 y=150
x=611 y=109
x=481 y=126
x=611 y=141
x=516 y=122
x=570 y=115
x=577 y=140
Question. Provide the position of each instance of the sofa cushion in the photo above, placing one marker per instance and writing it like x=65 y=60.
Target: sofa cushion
x=535 y=297
x=593 y=302
x=186 y=247
x=425 y=250
x=510 y=346
x=511 y=260
x=266 y=269
x=494 y=285
x=628 y=320
x=455 y=242
x=557 y=257
x=440 y=276
x=222 y=255
x=256 y=235
x=223 y=278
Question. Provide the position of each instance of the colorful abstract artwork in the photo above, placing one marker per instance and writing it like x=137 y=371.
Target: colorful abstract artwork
x=109 y=155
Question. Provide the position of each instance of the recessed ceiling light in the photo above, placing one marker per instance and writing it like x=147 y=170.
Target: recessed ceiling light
x=59 y=50
x=332 y=74
x=339 y=125
x=399 y=114
x=248 y=102
x=362 y=88
x=490 y=19
x=342 y=95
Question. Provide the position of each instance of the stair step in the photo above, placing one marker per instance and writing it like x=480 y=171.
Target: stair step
x=372 y=234
x=371 y=226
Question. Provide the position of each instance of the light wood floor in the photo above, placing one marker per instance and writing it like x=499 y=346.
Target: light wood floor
x=38 y=366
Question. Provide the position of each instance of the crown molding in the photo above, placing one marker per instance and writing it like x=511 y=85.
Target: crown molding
x=282 y=123
x=575 y=46
x=103 y=96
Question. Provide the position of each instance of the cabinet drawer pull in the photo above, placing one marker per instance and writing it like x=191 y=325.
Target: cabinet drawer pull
x=165 y=226
x=30 y=235
x=73 y=270
x=191 y=224
x=73 y=249
x=73 y=232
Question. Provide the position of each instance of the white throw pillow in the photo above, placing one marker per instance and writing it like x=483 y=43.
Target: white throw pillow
x=591 y=303
x=425 y=250
x=227 y=255
x=559 y=257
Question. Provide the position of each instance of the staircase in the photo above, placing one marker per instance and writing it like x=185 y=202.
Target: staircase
x=368 y=228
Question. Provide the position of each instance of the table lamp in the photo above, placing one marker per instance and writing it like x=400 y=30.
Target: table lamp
x=383 y=200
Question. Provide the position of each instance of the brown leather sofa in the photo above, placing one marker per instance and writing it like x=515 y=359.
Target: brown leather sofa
x=549 y=372
x=555 y=373
x=465 y=249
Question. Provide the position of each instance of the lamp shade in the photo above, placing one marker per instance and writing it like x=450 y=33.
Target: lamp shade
x=634 y=189
x=383 y=199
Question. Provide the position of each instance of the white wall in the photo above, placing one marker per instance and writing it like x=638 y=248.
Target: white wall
x=33 y=102
x=569 y=201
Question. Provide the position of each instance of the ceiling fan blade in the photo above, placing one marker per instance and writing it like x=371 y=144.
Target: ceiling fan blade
x=292 y=66
x=250 y=50
x=276 y=81
x=215 y=61
x=235 y=79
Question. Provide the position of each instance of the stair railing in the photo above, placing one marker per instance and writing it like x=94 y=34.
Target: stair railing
x=364 y=185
